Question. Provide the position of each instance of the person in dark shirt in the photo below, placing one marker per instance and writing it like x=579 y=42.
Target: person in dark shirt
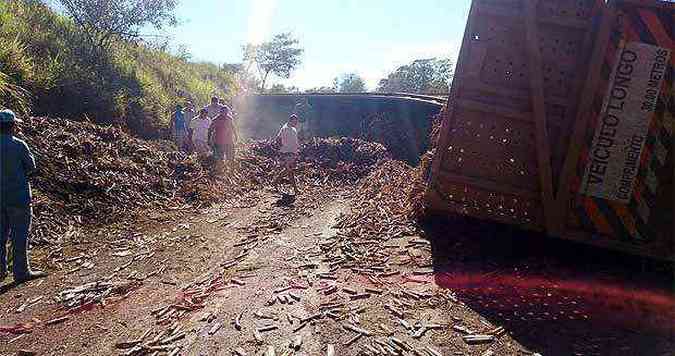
x=179 y=128
x=15 y=200
x=223 y=135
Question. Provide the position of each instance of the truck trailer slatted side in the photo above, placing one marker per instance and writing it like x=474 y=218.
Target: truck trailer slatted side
x=560 y=119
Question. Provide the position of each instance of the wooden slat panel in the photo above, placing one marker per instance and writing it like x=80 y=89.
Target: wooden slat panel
x=496 y=11
x=510 y=93
x=488 y=185
x=448 y=118
x=494 y=109
x=539 y=109
x=440 y=206
x=578 y=24
x=561 y=147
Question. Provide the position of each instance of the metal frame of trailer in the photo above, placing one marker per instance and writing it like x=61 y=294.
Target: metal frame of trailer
x=529 y=92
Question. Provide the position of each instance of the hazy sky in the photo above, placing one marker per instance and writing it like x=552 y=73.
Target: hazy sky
x=368 y=37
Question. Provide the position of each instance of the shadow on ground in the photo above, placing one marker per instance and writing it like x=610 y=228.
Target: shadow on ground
x=556 y=297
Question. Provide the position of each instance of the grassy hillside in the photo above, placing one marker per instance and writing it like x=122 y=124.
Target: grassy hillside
x=46 y=69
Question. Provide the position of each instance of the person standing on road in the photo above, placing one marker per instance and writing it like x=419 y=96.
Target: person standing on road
x=15 y=200
x=179 y=128
x=224 y=136
x=214 y=108
x=287 y=139
x=199 y=129
x=190 y=112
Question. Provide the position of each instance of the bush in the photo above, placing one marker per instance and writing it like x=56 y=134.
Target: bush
x=47 y=68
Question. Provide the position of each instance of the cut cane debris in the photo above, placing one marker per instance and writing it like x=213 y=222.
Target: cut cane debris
x=214 y=329
x=359 y=296
x=356 y=329
x=354 y=339
x=267 y=328
x=57 y=320
x=349 y=290
x=462 y=329
x=256 y=335
x=432 y=352
x=478 y=339
x=237 y=321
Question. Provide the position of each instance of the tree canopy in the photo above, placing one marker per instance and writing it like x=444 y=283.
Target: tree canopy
x=431 y=76
x=102 y=20
x=282 y=89
x=279 y=56
x=350 y=83
x=321 y=90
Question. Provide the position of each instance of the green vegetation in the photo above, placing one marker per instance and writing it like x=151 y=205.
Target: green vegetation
x=350 y=83
x=279 y=56
x=48 y=66
x=424 y=76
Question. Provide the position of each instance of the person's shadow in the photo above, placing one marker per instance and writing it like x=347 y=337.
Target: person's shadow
x=4 y=288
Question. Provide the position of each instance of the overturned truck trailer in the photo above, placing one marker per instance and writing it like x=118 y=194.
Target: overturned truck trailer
x=560 y=119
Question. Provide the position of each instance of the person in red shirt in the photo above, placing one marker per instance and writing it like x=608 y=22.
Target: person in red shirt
x=223 y=136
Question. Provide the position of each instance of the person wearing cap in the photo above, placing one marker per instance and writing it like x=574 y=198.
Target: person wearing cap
x=287 y=139
x=15 y=200
x=179 y=128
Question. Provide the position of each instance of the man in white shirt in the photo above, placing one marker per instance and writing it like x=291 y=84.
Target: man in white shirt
x=287 y=139
x=199 y=129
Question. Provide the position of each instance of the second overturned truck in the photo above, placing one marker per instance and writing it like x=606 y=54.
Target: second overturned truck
x=560 y=120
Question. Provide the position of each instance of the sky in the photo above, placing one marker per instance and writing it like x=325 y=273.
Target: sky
x=367 y=37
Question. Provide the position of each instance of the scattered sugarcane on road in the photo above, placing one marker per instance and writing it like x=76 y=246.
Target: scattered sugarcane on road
x=268 y=277
x=198 y=261
x=205 y=265
x=262 y=277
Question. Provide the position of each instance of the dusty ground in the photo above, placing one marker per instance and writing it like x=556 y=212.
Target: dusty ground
x=250 y=253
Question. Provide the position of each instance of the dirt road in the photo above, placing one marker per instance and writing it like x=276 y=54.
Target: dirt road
x=247 y=277
x=283 y=251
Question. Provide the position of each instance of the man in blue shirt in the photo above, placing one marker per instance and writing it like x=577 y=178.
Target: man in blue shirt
x=179 y=128
x=17 y=164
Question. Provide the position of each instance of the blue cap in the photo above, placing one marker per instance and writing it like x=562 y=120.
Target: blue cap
x=8 y=116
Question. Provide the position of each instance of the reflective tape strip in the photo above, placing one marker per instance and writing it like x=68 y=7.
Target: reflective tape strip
x=643 y=210
x=651 y=181
x=661 y=153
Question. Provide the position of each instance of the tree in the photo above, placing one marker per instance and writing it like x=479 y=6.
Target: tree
x=280 y=56
x=282 y=89
x=431 y=76
x=103 y=20
x=350 y=83
x=321 y=90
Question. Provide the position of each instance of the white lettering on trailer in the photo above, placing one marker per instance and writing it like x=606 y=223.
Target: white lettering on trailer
x=627 y=111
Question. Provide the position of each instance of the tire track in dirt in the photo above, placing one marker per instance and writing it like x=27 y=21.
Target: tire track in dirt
x=185 y=248
x=292 y=265
x=289 y=250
